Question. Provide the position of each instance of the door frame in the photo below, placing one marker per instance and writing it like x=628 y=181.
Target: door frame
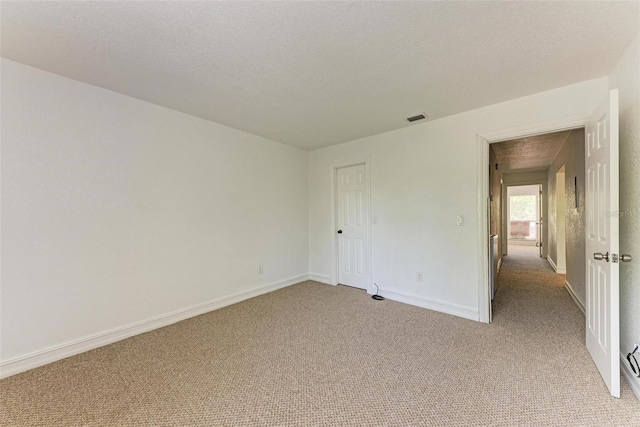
x=561 y=267
x=543 y=207
x=335 y=252
x=484 y=139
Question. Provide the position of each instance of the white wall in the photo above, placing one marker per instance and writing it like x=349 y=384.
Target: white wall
x=422 y=176
x=115 y=211
x=561 y=210
x=626 y=78
x=570 y=158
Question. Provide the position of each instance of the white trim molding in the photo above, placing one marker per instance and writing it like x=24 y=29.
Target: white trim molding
x=484 y=299
x=321 y=278
x=555 y=267
x=632 y=380
x=521 y=242
x=443 y=307
x=71 y=348
x=574 y=296
x=540 y=128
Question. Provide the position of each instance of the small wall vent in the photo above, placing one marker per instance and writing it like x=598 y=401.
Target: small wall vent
x=416 y=118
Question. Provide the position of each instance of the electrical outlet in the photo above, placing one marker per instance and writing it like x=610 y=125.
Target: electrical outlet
x=460 y=220
x=419 y=276
x=260 y=269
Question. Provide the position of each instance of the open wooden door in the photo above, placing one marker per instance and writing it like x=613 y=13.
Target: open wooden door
x=602 y=241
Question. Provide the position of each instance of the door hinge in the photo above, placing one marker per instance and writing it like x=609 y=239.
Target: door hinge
x=614 y=257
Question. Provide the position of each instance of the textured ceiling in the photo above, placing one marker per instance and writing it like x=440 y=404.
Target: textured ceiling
x=533 y=152
x=312 y=74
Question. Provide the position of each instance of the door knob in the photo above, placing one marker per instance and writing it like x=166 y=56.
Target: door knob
x=626 y=258
x=600 y=256
x=339 y=231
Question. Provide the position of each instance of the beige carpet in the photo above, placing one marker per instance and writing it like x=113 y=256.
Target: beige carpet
x=313 y=354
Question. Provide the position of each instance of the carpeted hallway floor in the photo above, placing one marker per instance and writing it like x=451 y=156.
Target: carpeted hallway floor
x=313 y=354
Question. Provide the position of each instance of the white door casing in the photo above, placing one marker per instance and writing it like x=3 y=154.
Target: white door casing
x=602 y=309
x=539 y=219
x=484 y=139
x=352 y=219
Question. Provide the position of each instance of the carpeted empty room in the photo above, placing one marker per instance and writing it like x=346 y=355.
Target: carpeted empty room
x=301 y=213
x=313 y=354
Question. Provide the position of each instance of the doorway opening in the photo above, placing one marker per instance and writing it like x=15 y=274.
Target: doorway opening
x=533 y=175
x=593 y=176
x=523 y=215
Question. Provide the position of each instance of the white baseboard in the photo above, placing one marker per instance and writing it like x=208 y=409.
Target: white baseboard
x=632 y=380
x=574 y=296
x=443 y=307
x=553 y=264
x=559 y=270
x=320 y=278
x=499 y=265
x=521 y=242
x=52 y=354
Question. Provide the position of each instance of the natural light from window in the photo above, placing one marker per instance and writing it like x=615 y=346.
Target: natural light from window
x=522 y=215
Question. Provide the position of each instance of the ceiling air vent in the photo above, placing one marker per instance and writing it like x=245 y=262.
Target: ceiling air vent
x=416 y=118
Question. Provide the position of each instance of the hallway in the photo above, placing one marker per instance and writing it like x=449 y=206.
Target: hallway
x=534 y=309
x=526 y=278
